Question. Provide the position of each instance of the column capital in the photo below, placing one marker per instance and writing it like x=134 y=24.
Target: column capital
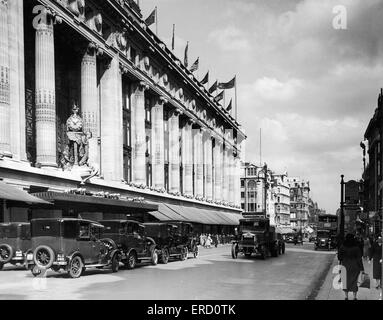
x=162 y=100
x=142 y=85
x=123 y=69
x=176 y=111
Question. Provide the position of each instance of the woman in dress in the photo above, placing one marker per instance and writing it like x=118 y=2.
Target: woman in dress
x=350 y=257
x=376 y=257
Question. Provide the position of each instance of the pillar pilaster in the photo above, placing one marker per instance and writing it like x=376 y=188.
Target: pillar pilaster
x=158 y=161
x=187 y=159
x=198 y=162
x=112 y=122
x=208 y=164
x=174 y=156
x=139 y=134
x=45 y=94
x=218 y=169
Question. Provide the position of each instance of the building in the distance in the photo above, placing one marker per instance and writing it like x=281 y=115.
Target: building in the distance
x=271 y=199
x=91 y=97
x=299 y=202
x=282 y=199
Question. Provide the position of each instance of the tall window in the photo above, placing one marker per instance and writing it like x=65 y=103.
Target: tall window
x=127 y=141
x=251 y=196
x=166 y=147
x=148 y=127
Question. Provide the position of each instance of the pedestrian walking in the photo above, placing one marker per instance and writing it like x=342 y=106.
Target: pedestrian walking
x=208 y=241
x=350 y=257
x=366 y=247
x=216 y=240
x=376 y=257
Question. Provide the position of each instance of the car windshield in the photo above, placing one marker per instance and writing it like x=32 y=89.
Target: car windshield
x=112 y=227
x=45 y=228
x=323 y=234
x=246 y=226
x=8 y=231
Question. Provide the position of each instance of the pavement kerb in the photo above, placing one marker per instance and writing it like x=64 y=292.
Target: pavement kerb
x=321 y=281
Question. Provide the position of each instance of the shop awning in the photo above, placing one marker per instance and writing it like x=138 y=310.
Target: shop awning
x=93 y=201
x=285 y=230
x=169 y=212
x=10 y=193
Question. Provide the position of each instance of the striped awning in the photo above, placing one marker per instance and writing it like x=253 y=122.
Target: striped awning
x=8 y=192
x=170 y=212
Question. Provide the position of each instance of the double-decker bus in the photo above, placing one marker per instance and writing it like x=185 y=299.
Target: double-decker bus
x=327 y=232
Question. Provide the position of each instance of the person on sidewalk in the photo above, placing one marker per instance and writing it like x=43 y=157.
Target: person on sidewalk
x=376 y=257
x=366 y=248
x=350 y=257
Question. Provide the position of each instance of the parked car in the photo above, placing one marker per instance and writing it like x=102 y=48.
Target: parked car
x=289 y=237
x=187 y=237
x=15 y=242
x=312 y=238
x=130 y=238
x=168 y=239
x=71 y=245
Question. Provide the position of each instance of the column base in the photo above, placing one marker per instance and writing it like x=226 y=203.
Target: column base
x=47 y=165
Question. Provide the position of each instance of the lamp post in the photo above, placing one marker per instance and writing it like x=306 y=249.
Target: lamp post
x=341 y=224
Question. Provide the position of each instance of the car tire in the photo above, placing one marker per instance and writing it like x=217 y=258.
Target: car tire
x=165 y=256
x=115 y=263
x=43 y=257
x=234 y=251
x=154 y=257
x=132 y=260
x=6 y=253
x=75 y=267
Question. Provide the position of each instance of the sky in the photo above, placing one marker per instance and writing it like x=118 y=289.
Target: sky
x=312 y=88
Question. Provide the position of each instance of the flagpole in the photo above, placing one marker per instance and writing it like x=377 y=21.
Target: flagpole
x=236 y=101
x=173 y=40
x=156 y=23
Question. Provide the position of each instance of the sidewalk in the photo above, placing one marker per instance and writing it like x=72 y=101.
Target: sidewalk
x=328 y=292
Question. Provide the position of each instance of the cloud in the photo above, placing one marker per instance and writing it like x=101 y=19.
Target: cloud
x=230 y=39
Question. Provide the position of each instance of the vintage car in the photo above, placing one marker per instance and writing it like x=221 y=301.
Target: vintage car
x=169 y=240
x=130 y=238
x=257 y=237
x=325 y=240
x=15 y=242
x=186 y=236
x=71 y=245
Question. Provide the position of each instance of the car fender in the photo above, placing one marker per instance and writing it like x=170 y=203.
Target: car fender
x=131 y=250
x=151 y=240
x=74 y=254
x=115 y=251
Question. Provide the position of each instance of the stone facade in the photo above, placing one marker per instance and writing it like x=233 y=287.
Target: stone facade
x=154 y=130
x=299 y=202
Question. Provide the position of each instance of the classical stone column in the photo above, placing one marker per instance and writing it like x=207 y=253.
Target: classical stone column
x=89 y=100
x=45 y=95
x=225 y=175
x=218 y=170
x=158 y=148
x=208 y=165
x=138 y=133
x=5 y=147
x=187 y=159
x=198 y=162
x=174 y=151
x=17 y=79
x=231 y=195
x=111 y=122
x=237 y=181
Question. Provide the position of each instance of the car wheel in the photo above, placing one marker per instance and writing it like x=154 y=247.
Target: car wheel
x=115 y=263
x=43 y=257
x=154 y=257
x=6 y=253
x=234 y=251
x=132 y=260
x=165 y=256
x=75 y=267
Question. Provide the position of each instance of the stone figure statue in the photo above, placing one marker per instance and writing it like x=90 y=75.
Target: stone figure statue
x=77 y=138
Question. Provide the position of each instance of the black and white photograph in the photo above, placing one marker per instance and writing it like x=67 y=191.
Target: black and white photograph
x=209 y=151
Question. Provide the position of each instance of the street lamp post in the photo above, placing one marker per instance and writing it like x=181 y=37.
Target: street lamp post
x=341 y=224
